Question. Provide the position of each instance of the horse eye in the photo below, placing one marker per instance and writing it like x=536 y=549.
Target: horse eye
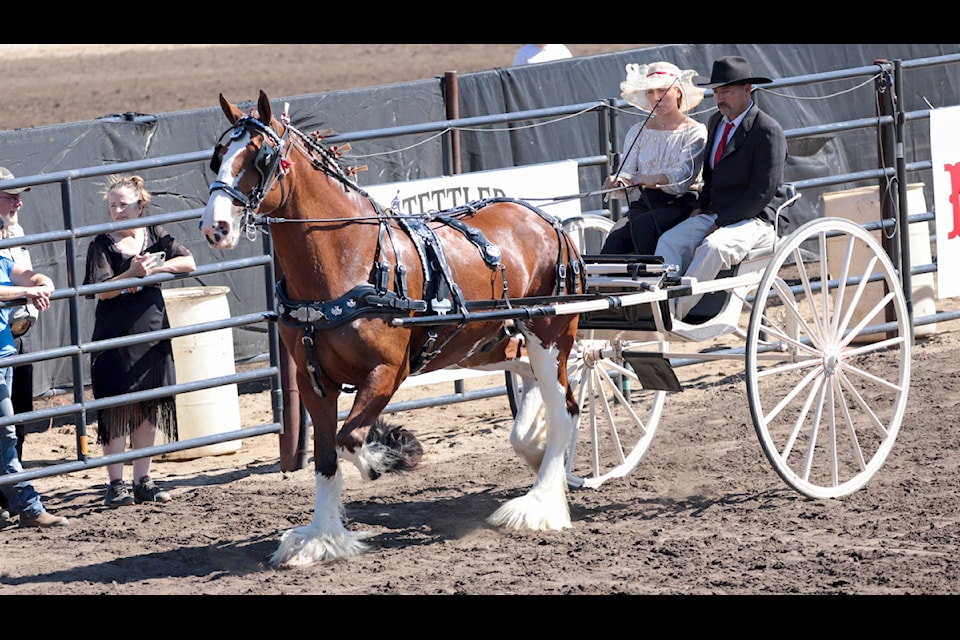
x=215 y=159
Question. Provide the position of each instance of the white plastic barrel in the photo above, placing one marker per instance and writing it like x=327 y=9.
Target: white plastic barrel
x=202 y=356
x=863 y=206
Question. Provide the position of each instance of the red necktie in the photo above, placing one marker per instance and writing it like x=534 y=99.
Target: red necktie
x=723 y=143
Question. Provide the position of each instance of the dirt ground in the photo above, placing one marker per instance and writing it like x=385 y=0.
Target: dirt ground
x=703 y=512
x=51 y=84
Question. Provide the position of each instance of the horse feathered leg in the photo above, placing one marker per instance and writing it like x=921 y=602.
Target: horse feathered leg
x=326 y=538
x=366 y=440
x=545 y=506
x=528 y=433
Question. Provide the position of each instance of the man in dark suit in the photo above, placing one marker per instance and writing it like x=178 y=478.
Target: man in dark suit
x=742 y=170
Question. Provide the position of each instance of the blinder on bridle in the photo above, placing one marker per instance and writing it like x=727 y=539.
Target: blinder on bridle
x=267 y=162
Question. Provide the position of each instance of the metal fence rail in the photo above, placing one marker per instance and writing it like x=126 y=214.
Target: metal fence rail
x=891 y=125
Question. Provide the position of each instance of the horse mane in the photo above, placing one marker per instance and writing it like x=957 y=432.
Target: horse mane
x=328 y=159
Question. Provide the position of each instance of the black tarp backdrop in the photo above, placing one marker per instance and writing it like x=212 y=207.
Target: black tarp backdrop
x=108 y=140
x=597 y=77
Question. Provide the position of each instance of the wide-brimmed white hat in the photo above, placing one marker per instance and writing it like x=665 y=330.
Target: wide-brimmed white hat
x=659 y=75
x=6 y=175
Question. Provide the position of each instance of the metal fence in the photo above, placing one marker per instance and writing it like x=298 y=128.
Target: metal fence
x=892 y=174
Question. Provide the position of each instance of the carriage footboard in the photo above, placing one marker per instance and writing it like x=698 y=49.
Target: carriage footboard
x=608 y=274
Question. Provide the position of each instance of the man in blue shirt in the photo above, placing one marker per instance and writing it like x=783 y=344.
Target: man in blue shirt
x=16 y=281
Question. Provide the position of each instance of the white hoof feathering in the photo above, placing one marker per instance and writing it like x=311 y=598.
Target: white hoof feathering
x=528 y=435
x=358 y=460
x=533 y=513
x=326 y=538
x=544 y=507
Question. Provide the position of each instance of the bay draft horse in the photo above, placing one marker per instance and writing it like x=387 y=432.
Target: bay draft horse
x=350 y=268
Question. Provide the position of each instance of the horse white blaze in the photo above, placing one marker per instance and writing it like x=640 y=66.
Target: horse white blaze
x=544 y=507
x=218 y=226
x=326 y=538
x=219 y=222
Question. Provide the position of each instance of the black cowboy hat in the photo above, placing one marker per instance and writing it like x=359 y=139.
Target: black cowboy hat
x=730 y=70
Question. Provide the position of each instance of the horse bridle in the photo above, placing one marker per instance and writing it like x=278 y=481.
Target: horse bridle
x=268 y=164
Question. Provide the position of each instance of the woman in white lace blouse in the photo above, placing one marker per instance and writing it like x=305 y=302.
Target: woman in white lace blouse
x=661 y=168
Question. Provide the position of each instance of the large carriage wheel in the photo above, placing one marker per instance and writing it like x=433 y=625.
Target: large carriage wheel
x=618 y=417
x=828 y=367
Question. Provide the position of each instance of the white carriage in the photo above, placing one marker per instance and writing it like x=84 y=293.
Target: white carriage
x=826 y=350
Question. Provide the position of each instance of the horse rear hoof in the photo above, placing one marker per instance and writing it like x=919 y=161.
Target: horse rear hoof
x=528 y=513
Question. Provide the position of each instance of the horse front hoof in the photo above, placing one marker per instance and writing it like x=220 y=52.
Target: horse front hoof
x=303 y=547
x=393 y=448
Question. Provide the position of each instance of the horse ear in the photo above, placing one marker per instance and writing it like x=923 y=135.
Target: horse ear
x=230 y=110
x=264 y=108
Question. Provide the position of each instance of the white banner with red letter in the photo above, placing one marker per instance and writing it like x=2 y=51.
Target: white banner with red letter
x=544 y=185
x=945 y=154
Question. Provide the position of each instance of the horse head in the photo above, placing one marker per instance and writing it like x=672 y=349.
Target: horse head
x=249 y=166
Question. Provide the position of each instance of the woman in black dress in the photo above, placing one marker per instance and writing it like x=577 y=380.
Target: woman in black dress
x=133 y=253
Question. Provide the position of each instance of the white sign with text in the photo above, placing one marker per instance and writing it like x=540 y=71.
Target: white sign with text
x=550 y=187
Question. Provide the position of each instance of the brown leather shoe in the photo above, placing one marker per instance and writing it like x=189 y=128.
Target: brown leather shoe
x=43 y=520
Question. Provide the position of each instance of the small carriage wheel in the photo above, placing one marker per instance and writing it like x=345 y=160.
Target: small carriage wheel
x=828 y=367
x=618 y=418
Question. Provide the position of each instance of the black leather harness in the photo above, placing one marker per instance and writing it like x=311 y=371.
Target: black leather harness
x=441 y=294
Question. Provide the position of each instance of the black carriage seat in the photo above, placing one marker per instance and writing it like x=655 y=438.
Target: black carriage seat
x=712 y=304
x=620 y=273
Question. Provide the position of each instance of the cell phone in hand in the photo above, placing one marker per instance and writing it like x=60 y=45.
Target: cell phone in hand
x=161 y=258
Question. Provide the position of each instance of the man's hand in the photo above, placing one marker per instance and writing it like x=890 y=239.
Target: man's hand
x=39 y=297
